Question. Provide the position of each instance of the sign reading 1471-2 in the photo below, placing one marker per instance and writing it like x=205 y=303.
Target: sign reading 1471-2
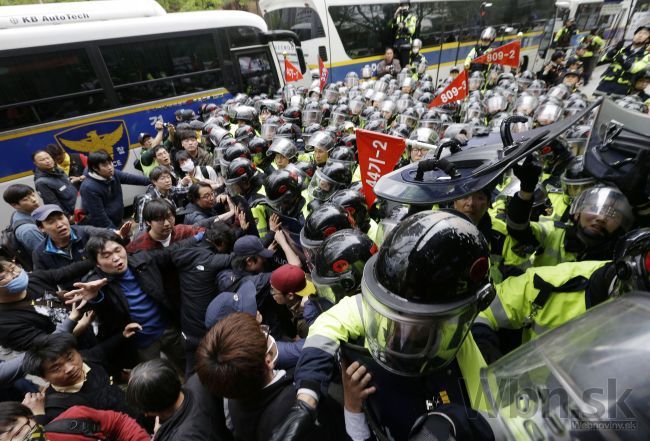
x=110 y=136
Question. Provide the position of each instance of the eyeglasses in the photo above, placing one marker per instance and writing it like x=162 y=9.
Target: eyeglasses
x=208 y=196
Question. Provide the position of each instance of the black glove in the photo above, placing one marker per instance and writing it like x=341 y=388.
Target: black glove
x=528 y=174
x=633 y=183
x=299 y=422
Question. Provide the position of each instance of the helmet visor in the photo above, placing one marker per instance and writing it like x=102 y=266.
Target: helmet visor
x=605 y=210
x=475 y=83
x=331 y=96
x=312 y=116
x=332 y=288
x=337 y=119
x=496 y=103
x=351 y=81
x=268 y=131
x=409 y=120
x=412 y=345
x=356 y=105
x=526 y=104
x=548 y=114
x=321 y=187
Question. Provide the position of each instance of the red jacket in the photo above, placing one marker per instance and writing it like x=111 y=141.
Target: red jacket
x=144 y=241
x=115 y=426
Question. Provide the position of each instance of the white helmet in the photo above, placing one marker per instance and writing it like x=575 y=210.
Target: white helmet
x=416 y=45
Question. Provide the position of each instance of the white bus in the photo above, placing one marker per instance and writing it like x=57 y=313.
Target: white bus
x=89 y=85
x=350 y=34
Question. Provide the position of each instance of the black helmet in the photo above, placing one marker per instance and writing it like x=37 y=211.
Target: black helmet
x=426 y=286
x=244 y=134
x=245 y=113
x=291 y=115
x=289 y=130
x=187 y=115
x=377 y=125
x=354 y=203
x=339 y=262
x=333 y=176
x=283 y=146
x=322 y=140
x=305 y=171
x=401 y=131
x=240 y=170
x=258 y=145
x=350 y=141
x=322 y=223
x=344 y=155
x=236 y=150
x=195 y=124
x=632 y=260
x=282 y=189
x=309 y=131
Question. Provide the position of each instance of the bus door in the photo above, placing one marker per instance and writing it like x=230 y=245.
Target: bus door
x=285 y=44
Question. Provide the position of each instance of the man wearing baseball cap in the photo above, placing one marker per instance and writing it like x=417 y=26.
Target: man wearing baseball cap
x=290 y=287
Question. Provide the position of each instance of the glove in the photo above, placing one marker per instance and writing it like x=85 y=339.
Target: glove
x=528 y=174
x=633 y=184
x=299 y=422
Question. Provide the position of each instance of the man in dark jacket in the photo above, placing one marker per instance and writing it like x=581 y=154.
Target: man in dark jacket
x=20 y=322
x=101 y=191
x=72 y=164
x=63 y=243
x=236 y=360
x=130 y=289
x=187 y=412
x=52 y=184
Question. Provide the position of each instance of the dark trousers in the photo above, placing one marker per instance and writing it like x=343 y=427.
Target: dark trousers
x=170 y=343
x=403 y=48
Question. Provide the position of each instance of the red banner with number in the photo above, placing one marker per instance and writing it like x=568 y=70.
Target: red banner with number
x=378 y=155
x=291 y=72
x=507 y=55
x=455 y=91
x=323 y=74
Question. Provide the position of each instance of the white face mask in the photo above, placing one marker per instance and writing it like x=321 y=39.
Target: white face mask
x=647 y=89
x=187 y=166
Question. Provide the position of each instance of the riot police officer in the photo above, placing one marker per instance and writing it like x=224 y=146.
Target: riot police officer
x=419 y=295
x=404 y=22
x=625 y=62
x=486 y=39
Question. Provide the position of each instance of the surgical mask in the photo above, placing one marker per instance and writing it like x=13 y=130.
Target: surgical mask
x=18 y=284
x=416 y=50
x=647 y=89
x=187 y=166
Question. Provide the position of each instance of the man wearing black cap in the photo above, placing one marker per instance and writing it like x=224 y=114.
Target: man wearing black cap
x=625 y=63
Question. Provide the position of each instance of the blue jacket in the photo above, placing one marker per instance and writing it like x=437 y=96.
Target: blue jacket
x=47 y=256
x=54 y=187
x=102 y=199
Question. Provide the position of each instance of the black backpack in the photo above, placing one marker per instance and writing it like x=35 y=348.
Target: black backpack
x=11 y=248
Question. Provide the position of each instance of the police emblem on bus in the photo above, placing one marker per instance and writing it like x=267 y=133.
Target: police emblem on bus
x=111 y=136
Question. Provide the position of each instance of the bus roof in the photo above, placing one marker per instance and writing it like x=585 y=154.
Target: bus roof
x=76 y=12
x=272 y=5
x=26 y=37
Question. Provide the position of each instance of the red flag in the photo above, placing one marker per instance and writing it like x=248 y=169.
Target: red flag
x=378 y=155
x=455 y=91
x=323 y=74
x=507 y=55
x=291 y=73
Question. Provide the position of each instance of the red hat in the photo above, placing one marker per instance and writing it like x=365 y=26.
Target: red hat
x=290 y=278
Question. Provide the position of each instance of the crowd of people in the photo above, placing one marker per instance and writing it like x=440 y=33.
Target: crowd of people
x=254 y=295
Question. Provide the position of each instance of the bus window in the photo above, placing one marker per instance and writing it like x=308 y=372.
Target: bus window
x=257 y=73
x=150 y=70
x=46 y=87
x=303 y=21
x=244 y=36
x=587 y=15
x=364 y=29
